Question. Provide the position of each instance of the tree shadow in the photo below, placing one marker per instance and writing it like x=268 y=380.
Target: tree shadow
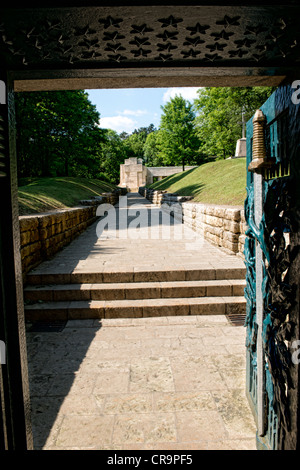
x=55 y=356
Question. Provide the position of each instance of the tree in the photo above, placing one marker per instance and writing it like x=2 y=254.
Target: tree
x=57 y=133
x=219 y=120
x=135 y=142
x=111 y=155
x=177 y=140
x=151 y=150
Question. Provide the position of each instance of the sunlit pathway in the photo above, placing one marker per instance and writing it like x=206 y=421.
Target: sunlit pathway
x=150 y=381
x=132 y=249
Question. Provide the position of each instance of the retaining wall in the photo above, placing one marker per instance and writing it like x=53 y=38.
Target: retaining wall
x=43 y=235
x=223 y=226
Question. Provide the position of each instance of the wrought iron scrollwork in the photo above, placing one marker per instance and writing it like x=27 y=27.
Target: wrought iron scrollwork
x=273 y=236
x=280 y=295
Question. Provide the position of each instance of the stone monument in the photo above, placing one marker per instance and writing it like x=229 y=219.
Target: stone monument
x=133 y=174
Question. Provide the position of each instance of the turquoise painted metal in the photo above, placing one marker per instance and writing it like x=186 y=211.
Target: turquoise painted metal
x=277 y=294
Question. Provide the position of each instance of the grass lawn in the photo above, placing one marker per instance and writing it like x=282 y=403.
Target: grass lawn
x=44 y=194
x=220 y=182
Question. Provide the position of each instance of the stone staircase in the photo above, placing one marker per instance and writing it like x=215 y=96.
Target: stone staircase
x=92 y=295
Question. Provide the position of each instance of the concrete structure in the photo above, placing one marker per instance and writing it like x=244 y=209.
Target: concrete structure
x=241 y=148
x=133 y=174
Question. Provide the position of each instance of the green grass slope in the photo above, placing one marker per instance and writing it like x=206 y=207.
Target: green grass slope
x=44 y=194
x=220 y=182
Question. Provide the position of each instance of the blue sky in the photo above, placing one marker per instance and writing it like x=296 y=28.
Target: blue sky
x=131 y=108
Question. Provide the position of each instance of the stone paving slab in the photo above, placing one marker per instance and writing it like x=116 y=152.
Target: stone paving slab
x=130 y=254
x=166 y=383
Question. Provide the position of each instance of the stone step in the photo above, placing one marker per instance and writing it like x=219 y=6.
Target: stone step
x=134 y=275
x=138 y=308
x=133 y=291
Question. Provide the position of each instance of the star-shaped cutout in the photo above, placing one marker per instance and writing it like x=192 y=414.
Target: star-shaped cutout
x=84 y=31
x=222 y=35
x=244 y=42
x=282 y=23
x=141 y=52
x=140 y=41
x=29 y=33
x=263 y=47
x=115 y=47
x=213 y=57
x=89 y=43
x=171 y=21
x=143 y=29
x=166 y=47
x=216 y=47
x=166 y=35
x=239 y=53
x=190 y=53
x=193 y=41
x=54 y=24
x=109 y=21
x=273 y=36
x=227 y=21
x=114 y=36
x=90 y=55
x=198 y=29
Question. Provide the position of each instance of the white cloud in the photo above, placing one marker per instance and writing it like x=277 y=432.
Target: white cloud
x=131 y=112
x=188 y=93
x=118 y=123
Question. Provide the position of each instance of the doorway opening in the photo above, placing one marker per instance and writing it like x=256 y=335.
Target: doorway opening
x=78 y=370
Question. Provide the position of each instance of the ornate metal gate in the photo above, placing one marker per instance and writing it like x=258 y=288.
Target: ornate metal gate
x=270 y=248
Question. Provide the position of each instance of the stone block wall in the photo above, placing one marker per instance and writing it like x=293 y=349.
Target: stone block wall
x=223 y=226
x=43 y=235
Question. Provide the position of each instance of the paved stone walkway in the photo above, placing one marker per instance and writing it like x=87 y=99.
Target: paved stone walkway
x=131 y=249
x=169 y=383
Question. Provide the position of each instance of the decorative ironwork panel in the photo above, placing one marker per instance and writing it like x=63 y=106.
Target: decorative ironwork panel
x=274 y=238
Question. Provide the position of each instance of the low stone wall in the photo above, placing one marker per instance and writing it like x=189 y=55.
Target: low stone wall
x=223 y=226
x=43 y=235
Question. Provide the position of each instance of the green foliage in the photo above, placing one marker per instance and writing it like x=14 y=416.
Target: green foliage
x=151 y=150
x=134 y=143
x=177 y=140
x=220 y=182
x=57 y=134
x=219 y=120
x=111 y=155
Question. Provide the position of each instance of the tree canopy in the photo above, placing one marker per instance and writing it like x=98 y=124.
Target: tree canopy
x=219 y=119
x=57 y=134
x=177 y=140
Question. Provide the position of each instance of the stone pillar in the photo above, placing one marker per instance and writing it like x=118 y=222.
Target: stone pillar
x=241 y=148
